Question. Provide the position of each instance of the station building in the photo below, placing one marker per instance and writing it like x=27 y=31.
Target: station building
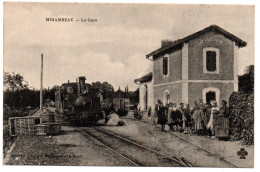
x=203 y=65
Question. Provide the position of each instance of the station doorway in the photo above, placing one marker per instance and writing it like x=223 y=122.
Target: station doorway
x=211 y=95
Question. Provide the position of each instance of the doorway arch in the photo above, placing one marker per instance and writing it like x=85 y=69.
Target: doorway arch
x=210 y=93
x=166 y=96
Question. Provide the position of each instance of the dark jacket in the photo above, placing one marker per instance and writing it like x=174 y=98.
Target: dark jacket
x=162 y=115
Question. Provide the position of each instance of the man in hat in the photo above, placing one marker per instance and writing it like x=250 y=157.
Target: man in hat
x=187 y=114
x=161 y=113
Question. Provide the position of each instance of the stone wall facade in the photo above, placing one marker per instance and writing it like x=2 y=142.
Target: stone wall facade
x=189 y=78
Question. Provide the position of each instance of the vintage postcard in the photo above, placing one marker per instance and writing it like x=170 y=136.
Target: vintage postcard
x=96 y=84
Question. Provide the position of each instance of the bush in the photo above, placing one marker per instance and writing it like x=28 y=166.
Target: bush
x=242 y=117
x=9 y=113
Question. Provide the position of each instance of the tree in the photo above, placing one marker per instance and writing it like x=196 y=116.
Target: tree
x=50 y=93
x=106 y=88
x=246 y=81
x=119 y=93
x=96 y=85
x=14 y=82
x=134 y=96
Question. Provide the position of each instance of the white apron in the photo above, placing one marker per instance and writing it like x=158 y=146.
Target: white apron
x=210 y=123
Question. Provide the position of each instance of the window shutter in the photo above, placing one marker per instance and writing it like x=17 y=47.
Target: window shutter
x=211 y=63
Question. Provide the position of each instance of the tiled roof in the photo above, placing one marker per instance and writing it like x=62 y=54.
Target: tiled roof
x=239 y=42
x=145 y=78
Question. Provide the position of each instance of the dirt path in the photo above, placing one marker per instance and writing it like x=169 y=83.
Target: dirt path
x=69 y=148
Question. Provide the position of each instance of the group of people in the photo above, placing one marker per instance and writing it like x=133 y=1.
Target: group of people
x=198 y=120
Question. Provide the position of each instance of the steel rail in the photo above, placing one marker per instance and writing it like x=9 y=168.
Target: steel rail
x=180 y=159
x=179 y=162
x=113 y=150
x=221 y=159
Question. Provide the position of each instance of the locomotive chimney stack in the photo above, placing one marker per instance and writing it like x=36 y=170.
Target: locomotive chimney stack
x=81 y=85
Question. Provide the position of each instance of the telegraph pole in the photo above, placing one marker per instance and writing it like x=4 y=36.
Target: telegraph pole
x=41 y=98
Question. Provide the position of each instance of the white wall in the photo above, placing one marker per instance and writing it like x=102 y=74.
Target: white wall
x=142 y=95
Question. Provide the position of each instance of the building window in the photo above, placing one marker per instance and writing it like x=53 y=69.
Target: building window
x=211 y=60
x=166 y=65
x=211 y=65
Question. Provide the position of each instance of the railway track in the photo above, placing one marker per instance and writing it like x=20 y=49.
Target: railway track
x=135 y=153
x=86 y=134
x=197 y=147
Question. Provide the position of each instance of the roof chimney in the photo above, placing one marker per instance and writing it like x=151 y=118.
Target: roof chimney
x=166 y=42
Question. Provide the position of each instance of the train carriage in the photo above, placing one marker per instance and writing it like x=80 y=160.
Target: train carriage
x=120 y=105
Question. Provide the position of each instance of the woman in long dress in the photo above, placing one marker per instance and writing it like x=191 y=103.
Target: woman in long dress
x=172 y=117
x=179 y=119
x=214 y=111
x=224 y=110
x=197 y=117
x=183 y=118
x=170 y=121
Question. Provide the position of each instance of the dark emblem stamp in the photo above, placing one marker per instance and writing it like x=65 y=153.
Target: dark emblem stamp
x=242 y=153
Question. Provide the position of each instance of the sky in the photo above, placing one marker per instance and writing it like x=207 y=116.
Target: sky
x=113 y=49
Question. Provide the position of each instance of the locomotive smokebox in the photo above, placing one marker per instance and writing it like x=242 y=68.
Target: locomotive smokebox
x=81 y=101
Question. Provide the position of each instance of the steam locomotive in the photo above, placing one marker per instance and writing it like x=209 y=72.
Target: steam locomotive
x=78 y=102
